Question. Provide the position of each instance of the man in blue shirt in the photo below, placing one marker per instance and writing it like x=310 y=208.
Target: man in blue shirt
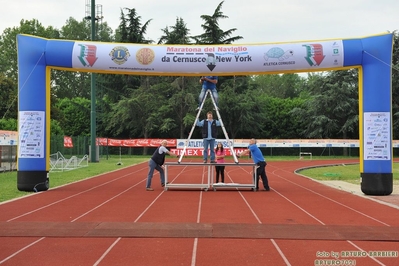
x=209 y=134
x=259 y=160
x=208 y=83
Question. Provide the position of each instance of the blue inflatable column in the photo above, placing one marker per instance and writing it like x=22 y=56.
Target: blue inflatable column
x=376 y=104
x=33 y=115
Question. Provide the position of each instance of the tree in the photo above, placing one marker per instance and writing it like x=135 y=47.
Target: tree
x=178 y=34
x=281 y=86
x=138 y=115
x=76 y=116
x=8 y=97
x=332 y=110
x=130 y=29
x=182 y=99
x=213 y=34
x=395 y=85
x=8 y=44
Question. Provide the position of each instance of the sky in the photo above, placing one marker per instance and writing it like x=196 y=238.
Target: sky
x=257 y=21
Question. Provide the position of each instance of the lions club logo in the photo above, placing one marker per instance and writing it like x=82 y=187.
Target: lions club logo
x=119 y=55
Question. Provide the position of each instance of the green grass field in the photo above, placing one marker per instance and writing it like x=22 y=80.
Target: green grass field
x=8 y=180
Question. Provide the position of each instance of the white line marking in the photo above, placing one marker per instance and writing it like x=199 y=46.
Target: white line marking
x=69 y=197
x=253 y=212
x=105 y=202
x=374 y=259
x=152 y=203
x=194 y=257
x=106 y=252
x=299 y=207
x=281 y=253
x=341 y=204
x=22 y=249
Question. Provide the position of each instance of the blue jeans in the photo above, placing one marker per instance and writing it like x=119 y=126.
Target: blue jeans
x=154 y=166
x=202 y=95
x=211 y=144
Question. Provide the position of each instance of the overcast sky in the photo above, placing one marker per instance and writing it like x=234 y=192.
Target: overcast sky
x=257 y=21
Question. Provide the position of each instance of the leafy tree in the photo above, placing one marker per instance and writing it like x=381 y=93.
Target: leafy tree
x=278 y=120
x=138 y=115
x=332 y=111
x=182 y=95
x=281 y=86
x=8 y=97
x=76 y=116
x=395 y=85
x=130 y=29
x=213 y=34
x=8 y=44
x=9 y=124
x=177 y=34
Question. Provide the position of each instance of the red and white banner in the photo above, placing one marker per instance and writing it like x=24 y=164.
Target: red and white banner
x=200 y=152
x=134 y=142
x=68 y=142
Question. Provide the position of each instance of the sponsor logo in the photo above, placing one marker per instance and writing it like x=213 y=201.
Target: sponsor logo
x=119 y=55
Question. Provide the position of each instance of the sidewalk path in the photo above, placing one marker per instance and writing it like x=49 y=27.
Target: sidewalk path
x=390 y=200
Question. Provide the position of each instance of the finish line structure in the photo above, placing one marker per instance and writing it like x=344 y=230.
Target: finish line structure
x=210 y=177
x=370 y=55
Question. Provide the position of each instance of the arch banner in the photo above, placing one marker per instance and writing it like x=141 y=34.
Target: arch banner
x=371 y=55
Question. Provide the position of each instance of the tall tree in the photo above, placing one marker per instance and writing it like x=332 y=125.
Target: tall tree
x=182 y=98
x=75 y=119
x=213 y=34
x=131 y=30
x=8 y=44
x=177 y=34
x=8 y=98
x=332 y=110
x=395 y=85
x=281 y=86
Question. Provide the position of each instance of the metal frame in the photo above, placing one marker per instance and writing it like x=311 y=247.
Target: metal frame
x=210 y=182
x=208 y=92
x=305 y=153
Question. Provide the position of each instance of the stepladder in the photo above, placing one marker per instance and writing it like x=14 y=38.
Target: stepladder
x=219 y=118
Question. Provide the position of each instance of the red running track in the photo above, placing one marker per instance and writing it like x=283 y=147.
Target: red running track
x=112 y=220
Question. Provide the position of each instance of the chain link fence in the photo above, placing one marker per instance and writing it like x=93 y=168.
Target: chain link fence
x=8 y=158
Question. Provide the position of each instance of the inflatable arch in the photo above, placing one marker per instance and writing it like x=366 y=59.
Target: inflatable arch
x=371 y=55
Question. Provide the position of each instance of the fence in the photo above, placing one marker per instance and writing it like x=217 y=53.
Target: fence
x=8 y=158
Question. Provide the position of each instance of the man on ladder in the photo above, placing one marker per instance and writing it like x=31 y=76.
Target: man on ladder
x=211 y=90
x=208 y=83
x=209 y=134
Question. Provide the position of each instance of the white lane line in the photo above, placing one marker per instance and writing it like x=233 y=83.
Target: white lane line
x=69 y=197
x=195 y=247
x=106 y=252
x=281 y=253
x=299 y=207
x=374 y=259
x=153 y=202
x=105 y=202
x=22 y=249
x=195 y=244
x=332 y=200
x=250 y=208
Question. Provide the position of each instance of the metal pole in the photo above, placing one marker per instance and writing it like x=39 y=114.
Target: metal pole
x=93 y=90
